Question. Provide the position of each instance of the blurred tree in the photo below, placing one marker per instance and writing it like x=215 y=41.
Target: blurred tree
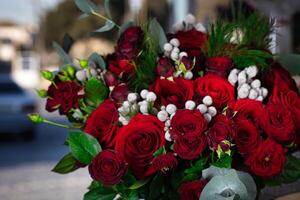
x=65 y=19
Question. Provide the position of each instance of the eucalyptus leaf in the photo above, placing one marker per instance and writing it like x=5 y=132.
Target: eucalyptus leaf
x=98 y=60
x=83 y=146
x=107 y=9
x=86 y=6
x=62 y=54
x=83 y=16
x=95 y=92
x=158 y=33
x=107 y=27
x=66 y=165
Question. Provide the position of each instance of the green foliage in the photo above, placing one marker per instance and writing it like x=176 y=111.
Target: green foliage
x=95 y=92
x=86 y=6
x=66 y=165
x=158 y=34
x=159 y=152
x=195 y=171
x=156 y=187
x=223 y=162
x=99 y=192
x=83 y=147
x=290 y=173
x=107 y=27
x=98 y=60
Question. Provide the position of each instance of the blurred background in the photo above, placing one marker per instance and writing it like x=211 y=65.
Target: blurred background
x=27 y=30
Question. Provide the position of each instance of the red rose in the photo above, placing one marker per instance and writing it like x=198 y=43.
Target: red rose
x=175 y=92
x=221 y=91
x=108 y=167
x=191 y=190
x=267 y=160
x=110 y=79
x=190 y=147
x=103 y=123
x=165 y=67
x=137 y=142
x=120 y=67
x=119 y=93
x=63 y=96
x=247 y=137
x=165 y=162
x=218 y=65
x=278 y=123
x=220 y=130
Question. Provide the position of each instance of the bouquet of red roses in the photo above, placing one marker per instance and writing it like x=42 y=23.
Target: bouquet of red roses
x=199 y=113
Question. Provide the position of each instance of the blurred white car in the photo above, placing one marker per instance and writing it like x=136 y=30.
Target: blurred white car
x=15 y=104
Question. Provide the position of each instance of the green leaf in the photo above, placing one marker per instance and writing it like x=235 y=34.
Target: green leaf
x=125 y=26
x=156 y=187
x=158 y=33
x=42 y=93
x=107 y=9
x=100 y=193
x=223 y=162
x=86 y=6
x=83 y=146
x=159 y=152
x=133 y=195
x=290 y=173
x=98 y=60
x=94 y=184
x=197 y=167
x=107 y=27
x=95 y=92
x=138 y=184
x=47 y=75
x=62 y=54
x=66 y=165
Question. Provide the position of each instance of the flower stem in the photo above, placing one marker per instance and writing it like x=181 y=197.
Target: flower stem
x=105 y=18
x=56 y=124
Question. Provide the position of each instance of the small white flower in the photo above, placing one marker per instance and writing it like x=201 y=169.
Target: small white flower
x=151 y=97
x=253 y=94
x=123 y=111
x=207 y=100
x=81 y=75
x=188 y=75
x=251 y=71
x=168 y=123
x=242 y=78
x=202 y=108
x=178 y=27
x=243 y=93
x=144 y=93
x=144 y=109
x=126 y=104
x=162 y=115
x=183 y=54
x=174 y=56
x=132 y=97
x=199 y=27
x=264 y=92
x=190 y=19
x=168 y=136
x=168 y=47
x=171 y=109
x=176 y=50
x=232 y=78
x=212 y=111
x=190 y=105
x=207 y=117
x=175 y=42
x=256 y=83
x=142 y=103
x=260 y=98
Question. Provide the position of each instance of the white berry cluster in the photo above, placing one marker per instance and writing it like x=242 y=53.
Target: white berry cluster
x=171 y=50
x=247 y=85
x=188 y=24
x=207 y=109
x=165 y=115
x=84 y=74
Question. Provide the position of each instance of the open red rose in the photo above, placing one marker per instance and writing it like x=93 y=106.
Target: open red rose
x=165 y=67
x=267 y=160
x=103 y=123
x=120 y=67
x=63 y=96
x=187 y=122
x=165 y=162
x=218 y=65
x=191 y=190
x=221 y=91
x=108 y=167
x=175 y=92
x=278 y=123
x=247 y=137
x=137 y=142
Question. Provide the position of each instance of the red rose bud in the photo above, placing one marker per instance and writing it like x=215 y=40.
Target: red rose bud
x=218 y=65
x=165 y=67
x=108 y=167
x=165 y=162
x=191 y=190
x=120 y=93
x=110 y=79
x=267 y=160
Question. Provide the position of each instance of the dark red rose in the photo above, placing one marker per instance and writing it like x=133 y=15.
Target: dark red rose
x=190 y=147
x=110 y=79
x=278 y=123
x=165 y=67
x=165 y=162
x=218 y=65
x=187 y=122
x=249 y=109
x=247 y=137
x=191 y=190
x=103 y=123
x=267 y=160
x=220 y=90
x=119 y=93
x=175 y=92
x=129 y=43
x=137 y=142
x=63 y=96
x=220 y=130
x=120 y=67
x=278 y=76
x=108 y=167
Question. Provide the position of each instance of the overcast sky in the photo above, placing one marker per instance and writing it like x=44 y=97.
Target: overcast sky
x=24 y=11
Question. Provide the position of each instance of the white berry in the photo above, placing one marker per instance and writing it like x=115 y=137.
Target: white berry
x=212 y=111
x=207 y=100
x=245 y=86
x=174 y=56
x=190 y=19
x=199 y=27
x=253 y=94
x=151 y=97
x=251 y=71
x=243 y=93
x=232 y=78
x=264 y=92
x=175 y=42
x=260 y=98
x=144 y=93
x=188 y=75
x=168 y=47
x=190 y=105
x=242 y=77
x=168 y=136
x=132 y=97
x=176 y=49
x=144 y=109
x=168 y=123
x=202 y=108
x=256 y=83
x=162 y=115
x=171 y=109
x=81 y=75
x=126 y=104
x=178 y=27
x=183 y=54
x=207 y=117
